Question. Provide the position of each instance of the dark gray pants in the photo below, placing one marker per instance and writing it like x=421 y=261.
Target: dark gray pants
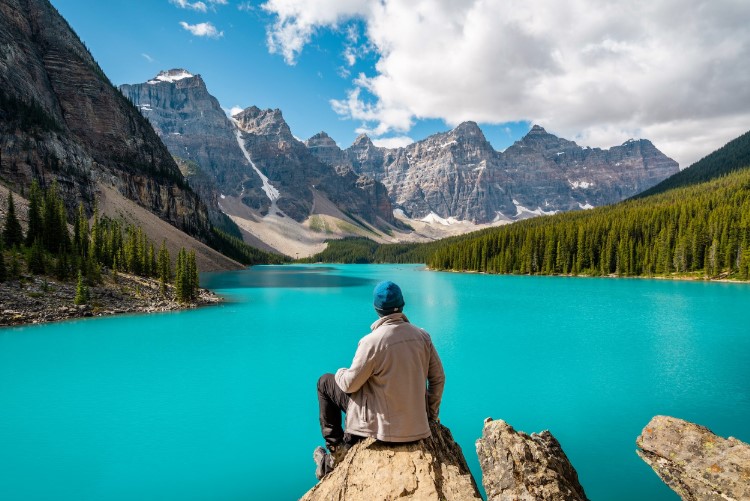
x=332 y=401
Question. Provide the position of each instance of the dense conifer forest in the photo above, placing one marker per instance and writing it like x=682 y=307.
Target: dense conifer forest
x=732 y=156
x=95 y=246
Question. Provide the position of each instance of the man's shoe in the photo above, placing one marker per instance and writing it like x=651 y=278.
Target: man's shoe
x=323 y=462
x=338 y=452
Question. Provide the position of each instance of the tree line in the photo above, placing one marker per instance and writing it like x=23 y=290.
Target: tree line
x=102 y=243
x=701 y=230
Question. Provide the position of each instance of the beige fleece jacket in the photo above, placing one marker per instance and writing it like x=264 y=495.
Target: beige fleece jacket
x=395 y=382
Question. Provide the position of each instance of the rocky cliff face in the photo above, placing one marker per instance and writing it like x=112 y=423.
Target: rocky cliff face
x=556 y=174
x=458 y=173
x=253 y=155
x=694 y=462
x=61 y=119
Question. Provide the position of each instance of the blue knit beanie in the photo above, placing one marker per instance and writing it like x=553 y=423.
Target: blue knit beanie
x=387 y=298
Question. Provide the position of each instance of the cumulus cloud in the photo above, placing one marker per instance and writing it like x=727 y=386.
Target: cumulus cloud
x=184 y=4
x=674 y=71
x=298 y=20
x=202 y=30
x=393 y=142
x=199 y=6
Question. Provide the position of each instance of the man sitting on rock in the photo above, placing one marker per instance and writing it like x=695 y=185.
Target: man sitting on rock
x=383 y=393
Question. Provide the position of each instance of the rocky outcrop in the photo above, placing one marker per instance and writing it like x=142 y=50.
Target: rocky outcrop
x=694 y=462
x=517 y=466
x=431 y=469
x=458 y=173
x=62 y=120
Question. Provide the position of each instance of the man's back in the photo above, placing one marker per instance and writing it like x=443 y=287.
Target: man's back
x=386 y=382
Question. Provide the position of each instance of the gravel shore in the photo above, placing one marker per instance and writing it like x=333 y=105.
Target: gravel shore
x=35 y=299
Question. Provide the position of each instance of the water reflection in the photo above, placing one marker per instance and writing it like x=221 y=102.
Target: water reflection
x=282 y=277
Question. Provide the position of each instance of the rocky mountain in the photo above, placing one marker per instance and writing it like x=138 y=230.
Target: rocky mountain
x=457 y=174
x=251 y=166
x=62 y=120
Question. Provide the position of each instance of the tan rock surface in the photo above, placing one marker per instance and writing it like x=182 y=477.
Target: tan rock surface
x=431 y=469
x=694 y=462
x=521 y=467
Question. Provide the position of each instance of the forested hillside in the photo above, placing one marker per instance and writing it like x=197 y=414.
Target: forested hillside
x=731 y=157
x=703 y=229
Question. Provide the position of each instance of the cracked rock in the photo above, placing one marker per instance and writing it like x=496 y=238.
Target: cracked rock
x=694 y=462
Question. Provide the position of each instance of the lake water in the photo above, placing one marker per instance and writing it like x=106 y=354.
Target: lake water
x=220 y=403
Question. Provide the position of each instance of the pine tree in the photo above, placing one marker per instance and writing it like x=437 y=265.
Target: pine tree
x=61 y=267
x=35 y=229
x=15 y=265
x=164 y=268
x=193 y=279
x=12 y=233
x=36 y=258
x=82 y=291
x=3 y=269
x=179 y=277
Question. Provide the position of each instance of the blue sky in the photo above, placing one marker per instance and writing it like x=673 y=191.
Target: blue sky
x=132 y=43
x=598 y=72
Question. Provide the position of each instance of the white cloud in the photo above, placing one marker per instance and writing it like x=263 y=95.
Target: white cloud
x=299 y=19
x=198 y=5
x=233 y=110
x=184 y=4
x=202 y=30
x=674 y=71
x=148 y=58
x=393 y=142
x=246 y=7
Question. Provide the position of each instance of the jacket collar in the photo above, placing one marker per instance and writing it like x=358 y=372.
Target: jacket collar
x=393 y=318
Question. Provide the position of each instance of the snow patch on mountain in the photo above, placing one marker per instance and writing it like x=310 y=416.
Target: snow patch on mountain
x=170 y=76
x=271 y=192
x=522 y=211
x=435 y=219
x=580 y=184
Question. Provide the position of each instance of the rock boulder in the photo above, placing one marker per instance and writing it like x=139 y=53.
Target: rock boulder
x=430 y=469
x=521 y=467
x=694 y=462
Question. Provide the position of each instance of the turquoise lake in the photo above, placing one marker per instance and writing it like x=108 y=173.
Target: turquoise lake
x=220 y=403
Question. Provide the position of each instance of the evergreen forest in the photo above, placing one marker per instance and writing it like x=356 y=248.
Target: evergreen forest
x=95 y=246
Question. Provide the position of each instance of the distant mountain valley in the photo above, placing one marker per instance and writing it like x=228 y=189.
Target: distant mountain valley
x=291 y=196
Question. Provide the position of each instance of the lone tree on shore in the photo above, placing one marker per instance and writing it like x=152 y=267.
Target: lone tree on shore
x=186 y=277
x=12 y=233
x=82 y=291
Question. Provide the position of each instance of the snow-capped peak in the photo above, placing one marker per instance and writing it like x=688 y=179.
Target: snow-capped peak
x=171 y=76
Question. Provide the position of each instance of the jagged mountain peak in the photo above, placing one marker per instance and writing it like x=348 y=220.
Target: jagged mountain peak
x=171 y=76
x=268 y=121
x=537 y=129
x=321 y=139
x=468 y=128
x=363 y=140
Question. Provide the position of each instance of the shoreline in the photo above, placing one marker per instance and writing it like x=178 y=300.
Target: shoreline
x=677 y=278
x=33 y=300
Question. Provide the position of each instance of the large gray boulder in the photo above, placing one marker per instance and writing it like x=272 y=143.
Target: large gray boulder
x=521 y=467
x=430 y=469
x=694 y=462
